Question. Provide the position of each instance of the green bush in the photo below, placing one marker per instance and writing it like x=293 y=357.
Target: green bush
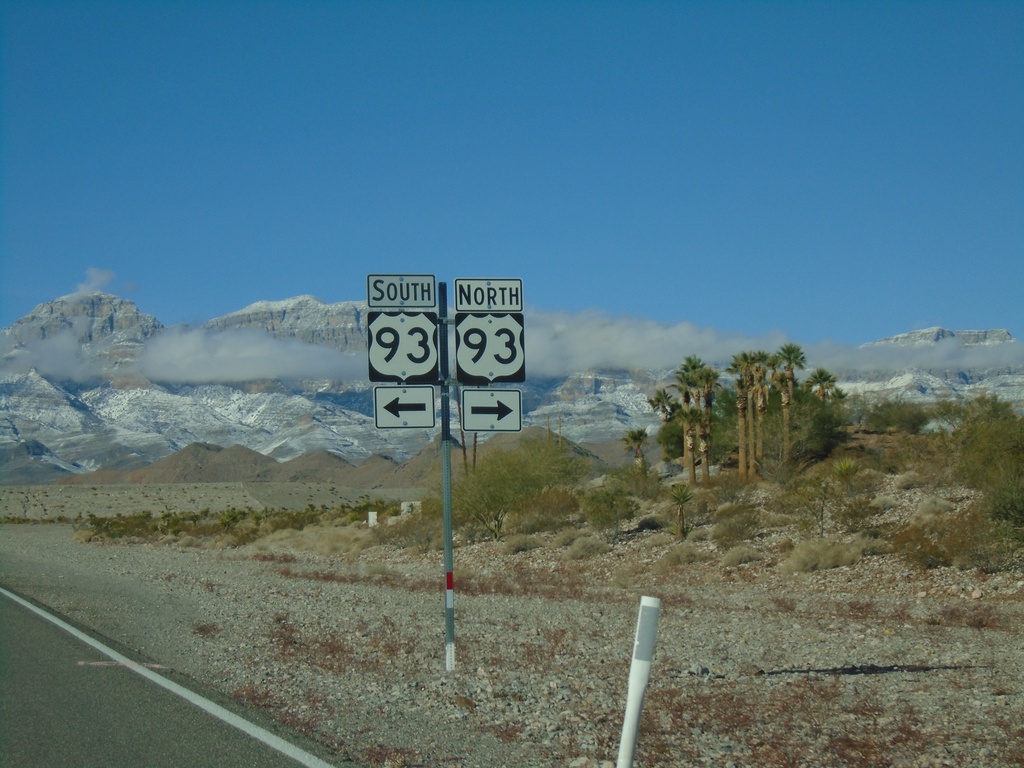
x=550 y=510
x=987 y=440
x=895 y=415
x=607 y=507
x=967 y=539
x=510 y=481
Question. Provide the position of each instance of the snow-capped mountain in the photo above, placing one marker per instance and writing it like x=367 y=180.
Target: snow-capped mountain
x=90 y=381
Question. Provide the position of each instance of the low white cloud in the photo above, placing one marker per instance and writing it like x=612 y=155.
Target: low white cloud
x=562 y=343
x=95 y=281
x=557 y=344
x=948 y=354
x=57 y=357
x=200 y=356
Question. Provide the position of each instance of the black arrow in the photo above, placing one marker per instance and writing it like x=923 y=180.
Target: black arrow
x=500 y=410
x=395 y=407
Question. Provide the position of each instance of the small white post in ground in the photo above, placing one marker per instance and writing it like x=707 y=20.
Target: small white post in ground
x=371 y=518
x=639 y=673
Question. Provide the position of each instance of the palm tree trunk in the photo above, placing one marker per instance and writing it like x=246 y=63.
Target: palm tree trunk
x=705 y=453
x=690 y=463
x=752 y=447
x=741 y=432
x=786 y=439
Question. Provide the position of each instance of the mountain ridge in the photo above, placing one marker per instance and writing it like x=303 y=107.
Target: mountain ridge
x=74 y=399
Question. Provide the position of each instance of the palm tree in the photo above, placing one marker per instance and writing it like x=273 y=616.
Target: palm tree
x=681 y=496
x=791 y=356
x=706 y=379
x=759 y=392
x=691 y=418
x=740 y=368
x=663 y=403
x=634 y=440
x=684 y=385
x=822 y=383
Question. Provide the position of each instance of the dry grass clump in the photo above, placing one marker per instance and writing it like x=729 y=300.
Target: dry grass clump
x=822 y=554
x=735 y=523
x=338 y=541
x=587 y=546
x=909 y=481
x=883 y=503
x=741 y=554
x=679 y=555
x=520 y=542
x=420 y=531
x=566 y=537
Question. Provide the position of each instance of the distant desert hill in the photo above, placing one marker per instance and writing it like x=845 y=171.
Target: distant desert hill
x=207 y=463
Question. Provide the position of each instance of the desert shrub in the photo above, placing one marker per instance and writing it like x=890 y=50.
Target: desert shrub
x=520 y=542
x=661 y=539
x=422 y=531
x=651 y=523
x=814 y=494
x=909 y=480
x=817 y=427
x=740 y=555
x=682 y=498
x=606 y=508
x=735 y=523
x=566 y=536
x=509 y=481
x=967 y=539
x=1004 y=499
x=585 y=547
x=679 y=555
x=550 y=510
x=822 y=554
x=852 y=514
x=726 y=488
x=883 y=503
x=895 y=415
x=987 y=439
x=931 y=506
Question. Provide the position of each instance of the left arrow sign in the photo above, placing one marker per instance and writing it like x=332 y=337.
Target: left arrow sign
x=396 y=407
x=403 y=407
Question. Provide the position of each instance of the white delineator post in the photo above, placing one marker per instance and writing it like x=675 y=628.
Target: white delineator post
x=639 y=673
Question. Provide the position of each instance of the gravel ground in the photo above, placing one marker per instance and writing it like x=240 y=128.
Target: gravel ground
x=874 y=664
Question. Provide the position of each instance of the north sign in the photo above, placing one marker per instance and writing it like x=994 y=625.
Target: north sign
x=403 y=407
x=489 y=295
x=492 y=410
x=401 y=291
x=489 y=348
x=402 y=347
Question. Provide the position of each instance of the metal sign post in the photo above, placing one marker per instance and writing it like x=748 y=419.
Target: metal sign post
x=407 y=345
x=446 y=481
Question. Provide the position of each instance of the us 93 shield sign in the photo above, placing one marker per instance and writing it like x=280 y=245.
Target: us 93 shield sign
x=489 y=348
x=402 y=347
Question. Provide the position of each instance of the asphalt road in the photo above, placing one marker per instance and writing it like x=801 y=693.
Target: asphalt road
x=67 y=699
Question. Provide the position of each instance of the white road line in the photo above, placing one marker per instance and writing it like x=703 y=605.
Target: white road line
x=260 y=734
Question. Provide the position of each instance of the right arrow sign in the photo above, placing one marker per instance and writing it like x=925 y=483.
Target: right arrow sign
x=492 y=410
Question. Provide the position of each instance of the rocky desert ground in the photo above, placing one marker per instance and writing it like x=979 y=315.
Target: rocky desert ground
x=340 y=636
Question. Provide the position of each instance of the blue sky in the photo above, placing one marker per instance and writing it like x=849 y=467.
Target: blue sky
x=817 y=171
